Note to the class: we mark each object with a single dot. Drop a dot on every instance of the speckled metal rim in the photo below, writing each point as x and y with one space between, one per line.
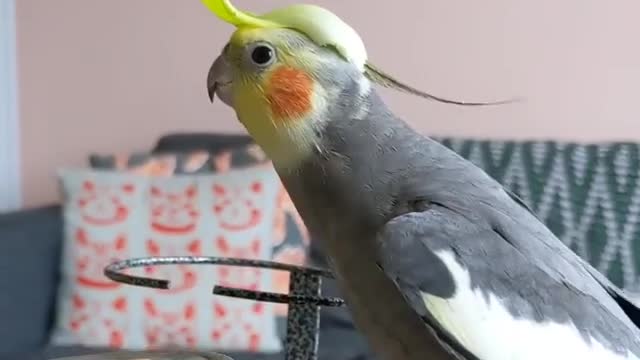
114 272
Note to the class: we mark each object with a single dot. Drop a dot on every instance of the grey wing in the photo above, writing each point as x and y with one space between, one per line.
405 257
408 248
618 295
628 306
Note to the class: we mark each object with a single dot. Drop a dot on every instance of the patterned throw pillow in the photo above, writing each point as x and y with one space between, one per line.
112 215
290 236
587 194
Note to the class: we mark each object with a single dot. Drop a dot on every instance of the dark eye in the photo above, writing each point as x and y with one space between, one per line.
262 55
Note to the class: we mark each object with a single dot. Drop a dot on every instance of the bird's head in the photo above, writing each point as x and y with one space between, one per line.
279 72
283 70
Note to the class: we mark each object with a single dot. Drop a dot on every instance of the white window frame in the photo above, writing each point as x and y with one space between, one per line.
10 179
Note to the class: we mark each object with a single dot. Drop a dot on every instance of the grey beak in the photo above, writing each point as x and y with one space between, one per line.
219 76
212 84
211 89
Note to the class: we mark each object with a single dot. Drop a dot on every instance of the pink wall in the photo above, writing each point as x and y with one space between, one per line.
113 75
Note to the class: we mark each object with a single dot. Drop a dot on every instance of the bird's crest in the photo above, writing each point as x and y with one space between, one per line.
326 30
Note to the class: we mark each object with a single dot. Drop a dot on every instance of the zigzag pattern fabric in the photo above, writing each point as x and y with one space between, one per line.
587 194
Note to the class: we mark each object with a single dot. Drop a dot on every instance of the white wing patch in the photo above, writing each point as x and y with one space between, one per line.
489 331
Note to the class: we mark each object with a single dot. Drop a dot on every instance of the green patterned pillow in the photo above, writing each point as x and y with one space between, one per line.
587 194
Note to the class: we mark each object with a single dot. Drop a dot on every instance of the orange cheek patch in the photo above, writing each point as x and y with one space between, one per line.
289 93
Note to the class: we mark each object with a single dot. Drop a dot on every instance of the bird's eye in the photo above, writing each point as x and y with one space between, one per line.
262 55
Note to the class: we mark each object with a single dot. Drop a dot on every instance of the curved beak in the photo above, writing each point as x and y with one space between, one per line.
219 79
212 84
211 89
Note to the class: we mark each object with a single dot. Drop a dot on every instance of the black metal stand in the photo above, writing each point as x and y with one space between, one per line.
304 297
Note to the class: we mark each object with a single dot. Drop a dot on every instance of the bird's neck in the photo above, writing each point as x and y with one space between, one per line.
287 143
289 147
290 144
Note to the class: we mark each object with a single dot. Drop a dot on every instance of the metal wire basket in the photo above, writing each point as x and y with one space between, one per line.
304 298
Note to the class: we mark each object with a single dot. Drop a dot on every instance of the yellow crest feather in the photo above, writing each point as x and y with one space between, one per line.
321 25
325 29
230 14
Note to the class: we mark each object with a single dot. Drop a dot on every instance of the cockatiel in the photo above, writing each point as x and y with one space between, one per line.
435 259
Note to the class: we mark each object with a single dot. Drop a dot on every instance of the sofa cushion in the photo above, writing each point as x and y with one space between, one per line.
587 194
55 352
116 215
339 340
29 250
190 154
212 143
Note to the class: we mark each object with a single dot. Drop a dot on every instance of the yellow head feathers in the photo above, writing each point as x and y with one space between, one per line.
322 26
326 30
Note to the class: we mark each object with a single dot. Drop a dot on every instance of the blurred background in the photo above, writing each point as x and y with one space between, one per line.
110 149
105 75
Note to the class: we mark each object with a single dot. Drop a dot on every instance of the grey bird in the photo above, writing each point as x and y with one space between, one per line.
435 259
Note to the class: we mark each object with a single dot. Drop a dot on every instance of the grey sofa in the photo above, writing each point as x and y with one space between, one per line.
30 242
30 246
585 193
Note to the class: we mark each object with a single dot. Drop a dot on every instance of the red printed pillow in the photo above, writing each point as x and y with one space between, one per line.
111 216
290 236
